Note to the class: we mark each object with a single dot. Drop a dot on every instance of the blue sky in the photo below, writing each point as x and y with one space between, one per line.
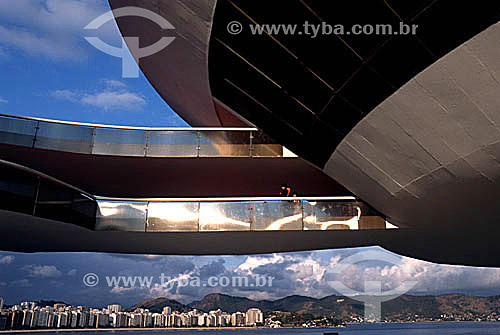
49 70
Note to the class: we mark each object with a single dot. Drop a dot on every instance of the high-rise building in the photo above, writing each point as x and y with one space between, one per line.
135 320
74 319
16 320
28 305
62 320
238 319
225 320
83 322
114 308
28 315
59 306
102 320
254 316
92 319
147 320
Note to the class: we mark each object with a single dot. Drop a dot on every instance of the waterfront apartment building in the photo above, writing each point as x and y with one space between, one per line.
254 317
30 316
115 308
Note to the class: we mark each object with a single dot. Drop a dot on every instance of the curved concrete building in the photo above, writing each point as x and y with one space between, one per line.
406 122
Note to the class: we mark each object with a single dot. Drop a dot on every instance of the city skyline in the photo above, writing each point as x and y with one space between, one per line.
60 276
292 312
30 315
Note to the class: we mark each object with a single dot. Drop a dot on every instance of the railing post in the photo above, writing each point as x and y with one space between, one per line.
198 146
199 208
36 134
251 144
302 206
252 215
146 144
92 141
146 224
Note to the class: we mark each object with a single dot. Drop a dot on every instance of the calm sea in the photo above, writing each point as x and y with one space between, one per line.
443 328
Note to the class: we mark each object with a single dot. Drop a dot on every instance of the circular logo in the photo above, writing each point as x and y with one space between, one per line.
90 279
370 255
373 296
130 69
234 28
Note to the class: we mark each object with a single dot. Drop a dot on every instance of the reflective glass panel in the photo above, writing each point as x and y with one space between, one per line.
17 131
119 142
224 144
64 137
225 216
172 216
332 216
172 144
370 218
277 215
121 216
264 146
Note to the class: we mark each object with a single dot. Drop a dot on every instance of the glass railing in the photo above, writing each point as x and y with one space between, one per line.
237 214
137 141
26 191
29 192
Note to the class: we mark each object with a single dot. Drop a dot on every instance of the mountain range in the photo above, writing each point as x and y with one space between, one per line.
424 306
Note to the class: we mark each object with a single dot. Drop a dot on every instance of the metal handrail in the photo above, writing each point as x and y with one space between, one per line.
227 199
86 138
96 125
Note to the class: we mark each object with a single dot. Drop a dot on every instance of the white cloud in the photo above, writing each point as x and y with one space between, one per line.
111 98
47 271
36 45
253 262
114 83
430 278
72 272
308 274
122 290
6 259
53 28
66 95
308 269
114 100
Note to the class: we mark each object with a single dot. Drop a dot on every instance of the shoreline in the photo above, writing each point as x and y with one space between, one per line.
85 330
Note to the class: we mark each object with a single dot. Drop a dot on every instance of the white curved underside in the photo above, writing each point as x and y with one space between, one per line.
429 156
